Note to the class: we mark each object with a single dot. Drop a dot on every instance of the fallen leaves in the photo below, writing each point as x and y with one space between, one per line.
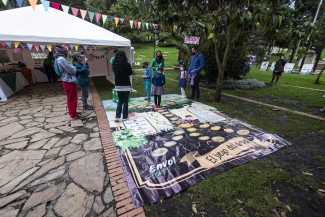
289 208
307 174
194 207
321 192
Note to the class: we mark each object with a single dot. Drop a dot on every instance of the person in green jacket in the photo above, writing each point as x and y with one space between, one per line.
157 62
112 59
48 66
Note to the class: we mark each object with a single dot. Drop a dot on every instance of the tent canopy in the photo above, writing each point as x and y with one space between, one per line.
52 27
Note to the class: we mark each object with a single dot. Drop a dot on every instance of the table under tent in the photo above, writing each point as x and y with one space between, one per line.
27 35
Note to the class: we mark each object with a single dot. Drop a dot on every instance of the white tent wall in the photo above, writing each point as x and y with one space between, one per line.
98 66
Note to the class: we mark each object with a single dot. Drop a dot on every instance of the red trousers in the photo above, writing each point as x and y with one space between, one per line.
72 98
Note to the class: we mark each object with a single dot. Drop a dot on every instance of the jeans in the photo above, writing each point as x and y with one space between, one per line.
84 94
72 98
123 99
147 87
196 88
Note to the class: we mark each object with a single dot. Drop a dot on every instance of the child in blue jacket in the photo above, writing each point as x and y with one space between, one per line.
146 79
158 81
82 77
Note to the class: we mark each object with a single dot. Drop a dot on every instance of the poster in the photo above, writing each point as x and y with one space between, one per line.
306 69
191 40
271 69
264 66
288 67
166 150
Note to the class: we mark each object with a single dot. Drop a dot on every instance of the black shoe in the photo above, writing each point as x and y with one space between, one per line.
78 117
88 107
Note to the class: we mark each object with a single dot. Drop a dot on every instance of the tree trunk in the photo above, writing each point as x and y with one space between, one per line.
319 54
222 66
320 74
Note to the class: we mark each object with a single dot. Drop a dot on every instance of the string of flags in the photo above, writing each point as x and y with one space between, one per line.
133 23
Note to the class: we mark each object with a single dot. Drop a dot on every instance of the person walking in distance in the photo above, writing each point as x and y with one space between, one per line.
278 69
69 80
158 81
123 71
196 65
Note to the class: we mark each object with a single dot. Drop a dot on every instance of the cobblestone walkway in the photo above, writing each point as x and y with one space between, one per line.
49 164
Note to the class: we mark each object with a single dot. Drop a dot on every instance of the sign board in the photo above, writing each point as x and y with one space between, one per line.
288 67
272 67
191 40
264 66
306 69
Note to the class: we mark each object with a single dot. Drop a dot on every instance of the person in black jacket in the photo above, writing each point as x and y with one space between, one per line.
278 69
122 70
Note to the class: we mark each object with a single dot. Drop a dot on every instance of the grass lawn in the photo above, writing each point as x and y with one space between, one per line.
323 54
276 185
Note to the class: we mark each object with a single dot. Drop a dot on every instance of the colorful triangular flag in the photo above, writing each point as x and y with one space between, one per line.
147 25
66 46
104 17
97 17
76 46
49 47
56 5
65 8
3 44
74 11
16 43
33 3
150 25
111 18
143 23
83 13
22 45
90 47
8 43
30 46
135 23
131 23
36 46
5 2
116 20
85 47
19 2
122 19
46 4
126 21
91 16
139 24
42 47
94 47
71 46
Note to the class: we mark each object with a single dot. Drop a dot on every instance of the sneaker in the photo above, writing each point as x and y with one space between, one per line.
78 117
145 99
156 106
125 119
321 110
116 119
88 107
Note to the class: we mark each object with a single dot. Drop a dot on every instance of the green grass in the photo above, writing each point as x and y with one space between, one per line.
145 52
323 54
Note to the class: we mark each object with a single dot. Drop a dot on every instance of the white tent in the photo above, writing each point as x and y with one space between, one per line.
54 26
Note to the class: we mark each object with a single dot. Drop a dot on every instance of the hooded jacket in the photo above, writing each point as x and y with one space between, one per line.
68 71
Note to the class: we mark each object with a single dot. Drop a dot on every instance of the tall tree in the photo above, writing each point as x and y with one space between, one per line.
222 21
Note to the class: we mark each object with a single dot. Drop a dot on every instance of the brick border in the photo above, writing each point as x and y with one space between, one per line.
123 200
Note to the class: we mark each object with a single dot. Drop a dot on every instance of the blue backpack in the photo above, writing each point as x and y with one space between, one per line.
56 67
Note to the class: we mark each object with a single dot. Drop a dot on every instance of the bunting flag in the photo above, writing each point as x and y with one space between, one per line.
56 5
65 8
36 46
19 2
143 25
42 47
111 18
121 19
91 16
147 25
116 20
85 47
131 23
5 2
22 45
139 24
150 25
8 43
49 47
97 17
135 23
76 46
94 47
16 43
46 4
90 47
66 46
126 21
83 13
30 46
33 3
104 17
71 46
3 44
74 11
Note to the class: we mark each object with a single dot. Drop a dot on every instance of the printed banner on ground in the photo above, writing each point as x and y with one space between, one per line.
264 66
288 67
168 149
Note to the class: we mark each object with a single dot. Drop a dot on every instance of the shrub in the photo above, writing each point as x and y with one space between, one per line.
242 84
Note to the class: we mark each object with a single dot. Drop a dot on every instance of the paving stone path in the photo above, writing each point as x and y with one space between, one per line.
51 165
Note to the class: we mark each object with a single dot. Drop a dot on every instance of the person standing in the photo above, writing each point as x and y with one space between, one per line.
157 62
182 80
123 71
48 66
147 79
158 81
82 77
278 69
196 65
69 80
112 59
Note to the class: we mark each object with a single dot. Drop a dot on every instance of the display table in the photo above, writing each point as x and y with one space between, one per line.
40 75
27 73
10 84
